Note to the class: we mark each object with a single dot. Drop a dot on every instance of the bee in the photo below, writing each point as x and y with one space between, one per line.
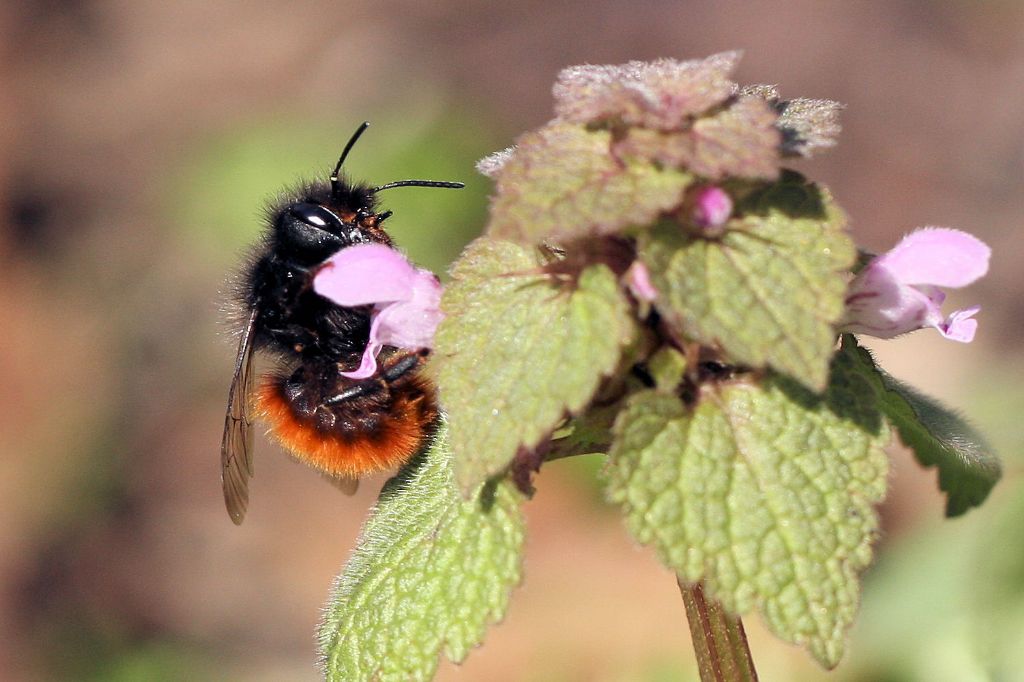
340 426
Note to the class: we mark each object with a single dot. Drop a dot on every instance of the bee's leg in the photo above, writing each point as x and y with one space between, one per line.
357 391
402 367
396 371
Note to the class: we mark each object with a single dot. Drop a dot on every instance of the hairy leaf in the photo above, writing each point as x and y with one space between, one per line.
740 141
807 125
562 183
764 493
492 164
769 291
968 468
520 349
431 571
661 94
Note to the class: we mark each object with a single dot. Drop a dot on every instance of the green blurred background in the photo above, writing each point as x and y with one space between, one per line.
139 142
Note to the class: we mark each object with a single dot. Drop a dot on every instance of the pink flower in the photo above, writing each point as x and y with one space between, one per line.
638 279
898 292
712 207
406 300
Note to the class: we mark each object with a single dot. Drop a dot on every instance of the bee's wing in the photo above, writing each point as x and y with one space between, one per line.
236 447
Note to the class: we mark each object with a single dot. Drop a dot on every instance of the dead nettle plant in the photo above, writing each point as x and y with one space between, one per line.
654 285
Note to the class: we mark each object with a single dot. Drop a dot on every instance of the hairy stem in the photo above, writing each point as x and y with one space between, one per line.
718 638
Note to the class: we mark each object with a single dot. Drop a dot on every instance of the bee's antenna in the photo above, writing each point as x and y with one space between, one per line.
348 147
381 217
419 183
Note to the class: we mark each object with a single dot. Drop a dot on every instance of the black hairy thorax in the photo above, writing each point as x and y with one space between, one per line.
293 321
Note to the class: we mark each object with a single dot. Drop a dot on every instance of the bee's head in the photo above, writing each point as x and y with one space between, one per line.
329 217
309 232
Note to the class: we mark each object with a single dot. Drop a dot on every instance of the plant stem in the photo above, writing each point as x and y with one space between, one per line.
718 638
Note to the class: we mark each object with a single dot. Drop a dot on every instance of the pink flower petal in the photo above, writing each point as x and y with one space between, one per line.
881 306
712 207
960 326
365 273
938 256
638 279
899 292
934 294
404 325
406 300
368 365
411 324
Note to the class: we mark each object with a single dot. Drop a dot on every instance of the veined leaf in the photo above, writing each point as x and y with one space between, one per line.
520 349
562 183
769 291
740 141
968 468
663 94
431 571
764 493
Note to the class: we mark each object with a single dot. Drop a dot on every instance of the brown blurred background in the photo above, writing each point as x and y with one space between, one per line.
138 142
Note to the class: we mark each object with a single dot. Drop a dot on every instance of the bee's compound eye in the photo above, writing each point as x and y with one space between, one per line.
308 232
315 215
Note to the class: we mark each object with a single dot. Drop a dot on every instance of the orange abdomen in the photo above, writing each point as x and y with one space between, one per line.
358 437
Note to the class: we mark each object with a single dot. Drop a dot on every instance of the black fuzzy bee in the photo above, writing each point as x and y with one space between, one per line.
340 426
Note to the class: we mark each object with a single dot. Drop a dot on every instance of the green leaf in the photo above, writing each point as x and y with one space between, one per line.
519 349
431 571
588 434
764 493
739 141
968 468
667 367
562 183
769 291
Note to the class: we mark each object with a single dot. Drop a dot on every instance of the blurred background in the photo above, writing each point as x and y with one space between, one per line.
138 144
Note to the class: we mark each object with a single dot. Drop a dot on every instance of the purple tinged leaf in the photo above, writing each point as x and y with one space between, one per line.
807 125
740 141
764 91
562 183
663 94
492 164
